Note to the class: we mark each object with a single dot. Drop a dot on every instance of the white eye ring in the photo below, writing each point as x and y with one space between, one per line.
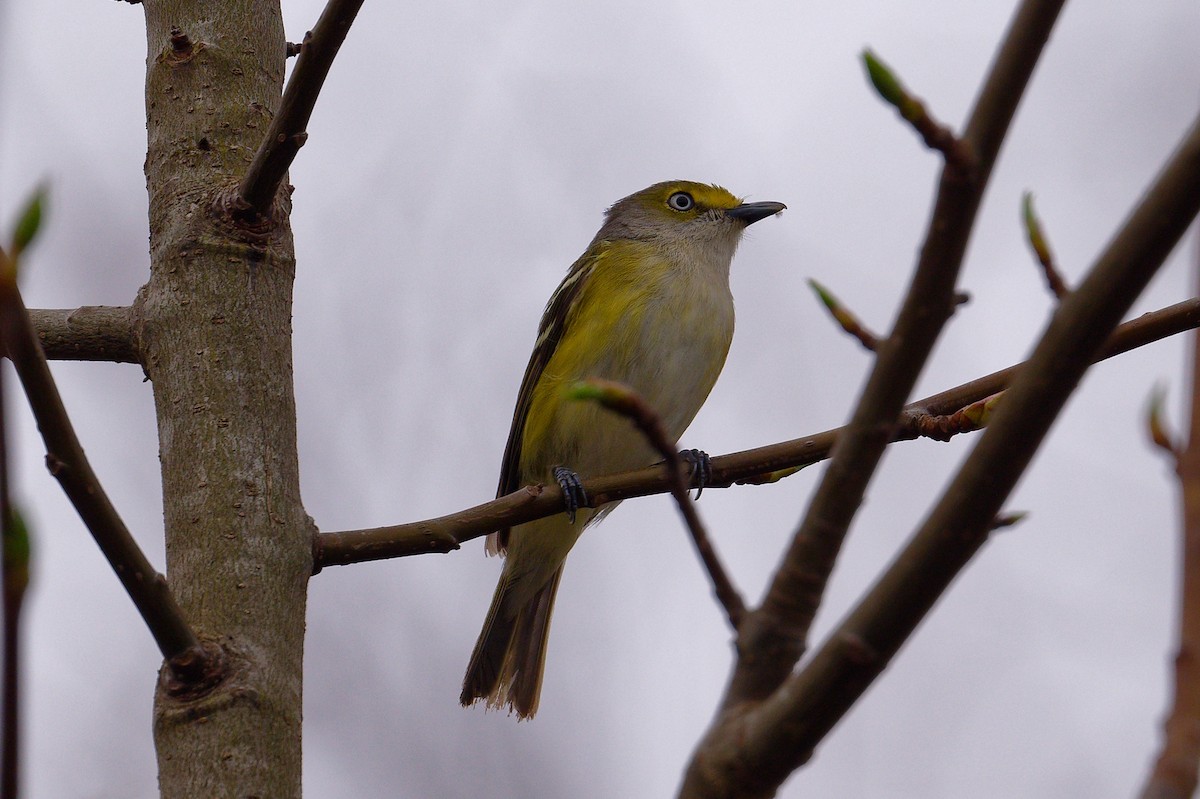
681 201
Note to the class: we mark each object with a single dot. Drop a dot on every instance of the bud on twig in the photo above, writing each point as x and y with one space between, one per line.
1041 247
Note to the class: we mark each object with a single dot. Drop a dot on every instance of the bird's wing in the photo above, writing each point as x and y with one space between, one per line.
554 323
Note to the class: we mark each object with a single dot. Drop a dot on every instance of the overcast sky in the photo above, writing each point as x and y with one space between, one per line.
459 160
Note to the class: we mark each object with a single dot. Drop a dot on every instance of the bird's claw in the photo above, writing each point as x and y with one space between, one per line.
574 497
700 467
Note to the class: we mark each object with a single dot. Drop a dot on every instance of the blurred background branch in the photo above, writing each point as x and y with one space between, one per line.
1174 775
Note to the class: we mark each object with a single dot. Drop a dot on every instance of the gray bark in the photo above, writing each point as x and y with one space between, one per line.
213 326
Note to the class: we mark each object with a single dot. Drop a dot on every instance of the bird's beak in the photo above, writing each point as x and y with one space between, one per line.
749 213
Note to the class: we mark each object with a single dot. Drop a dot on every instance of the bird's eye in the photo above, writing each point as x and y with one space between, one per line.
681 201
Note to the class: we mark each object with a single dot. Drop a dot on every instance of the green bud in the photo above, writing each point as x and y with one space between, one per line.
609 393
980 412
1009 519
823 294
1156 419
585 390
884 80
16 553
1033 228
894 93
28 224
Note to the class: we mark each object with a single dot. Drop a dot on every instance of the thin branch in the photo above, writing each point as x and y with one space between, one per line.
1174 775
89 333
783 731
622 399
287 132
448 533
774 636
66 461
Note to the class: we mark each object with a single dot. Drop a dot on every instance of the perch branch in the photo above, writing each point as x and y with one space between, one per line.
448 533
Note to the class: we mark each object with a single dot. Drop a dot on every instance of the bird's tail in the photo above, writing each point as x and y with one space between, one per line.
510 655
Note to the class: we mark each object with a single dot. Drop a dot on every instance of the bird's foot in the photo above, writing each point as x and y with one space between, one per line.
574 497
700 467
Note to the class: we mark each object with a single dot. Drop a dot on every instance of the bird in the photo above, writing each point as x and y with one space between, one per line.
648 305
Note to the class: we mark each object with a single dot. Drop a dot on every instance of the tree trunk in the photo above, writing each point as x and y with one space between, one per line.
214 331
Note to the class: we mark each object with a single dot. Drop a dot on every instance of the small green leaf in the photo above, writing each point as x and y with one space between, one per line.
29 223
16 553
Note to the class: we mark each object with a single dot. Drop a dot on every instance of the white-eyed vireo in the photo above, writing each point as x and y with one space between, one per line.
647 304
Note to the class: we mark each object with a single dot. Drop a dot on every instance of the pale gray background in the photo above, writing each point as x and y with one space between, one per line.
459 160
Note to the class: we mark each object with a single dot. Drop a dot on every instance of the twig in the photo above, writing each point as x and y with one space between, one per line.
935 135
1175 769
287 132
1041 247
622 399
66 461
447 533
